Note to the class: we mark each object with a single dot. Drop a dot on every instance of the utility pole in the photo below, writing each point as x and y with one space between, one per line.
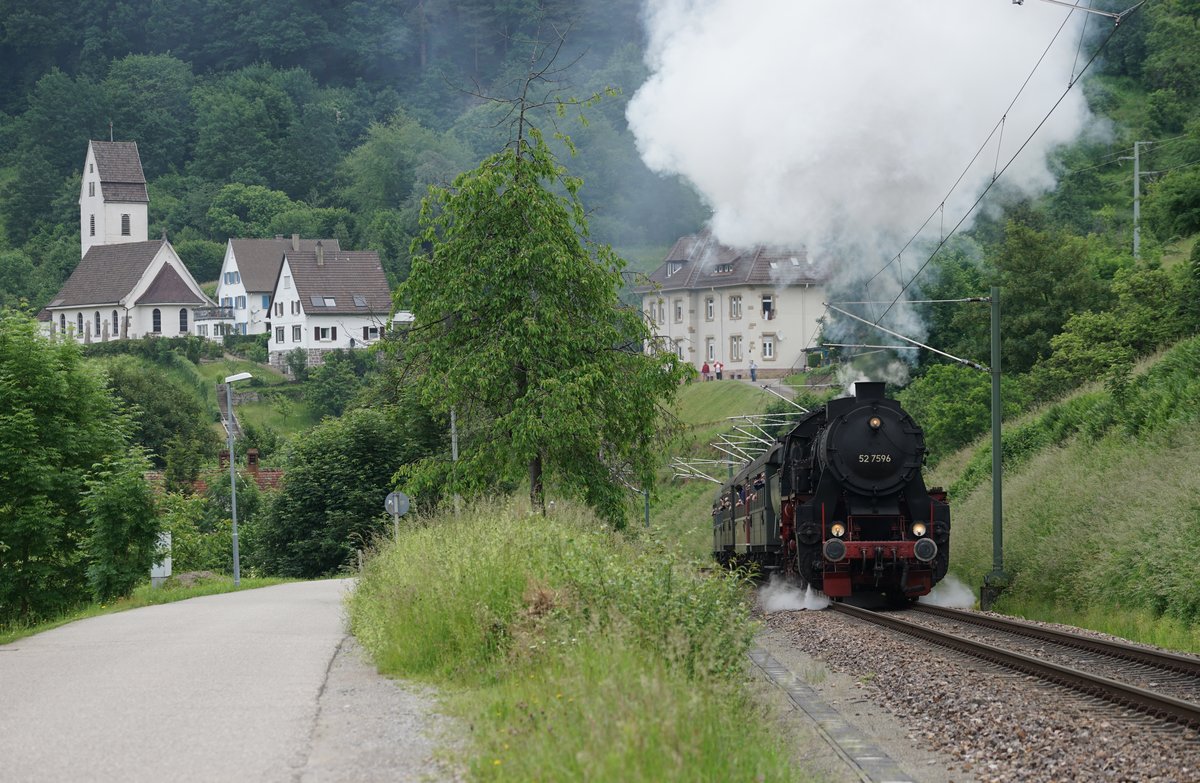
995 582
1137 197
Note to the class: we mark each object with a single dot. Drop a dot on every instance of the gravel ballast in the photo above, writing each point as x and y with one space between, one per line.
983 722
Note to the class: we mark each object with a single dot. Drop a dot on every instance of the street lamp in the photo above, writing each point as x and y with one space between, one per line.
229 381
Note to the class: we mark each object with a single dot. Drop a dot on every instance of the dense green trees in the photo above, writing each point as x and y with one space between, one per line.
72 519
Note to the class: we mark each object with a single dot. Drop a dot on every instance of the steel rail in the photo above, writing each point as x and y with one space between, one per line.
1163 707
1167 661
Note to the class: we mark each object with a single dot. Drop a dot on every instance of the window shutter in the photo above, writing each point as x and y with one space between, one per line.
316 333
333 333
365 333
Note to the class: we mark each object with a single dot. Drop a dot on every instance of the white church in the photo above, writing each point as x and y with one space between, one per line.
126 286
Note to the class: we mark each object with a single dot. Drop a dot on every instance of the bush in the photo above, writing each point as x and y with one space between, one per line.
122 543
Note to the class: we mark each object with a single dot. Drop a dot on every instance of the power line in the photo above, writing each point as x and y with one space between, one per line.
1017 154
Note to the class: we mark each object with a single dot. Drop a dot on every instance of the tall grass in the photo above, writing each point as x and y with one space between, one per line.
1102 521
580 654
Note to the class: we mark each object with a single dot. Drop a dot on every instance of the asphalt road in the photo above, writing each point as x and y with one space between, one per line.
226 687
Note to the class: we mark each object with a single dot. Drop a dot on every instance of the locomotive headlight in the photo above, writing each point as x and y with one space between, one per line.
919 529
875 422
837 529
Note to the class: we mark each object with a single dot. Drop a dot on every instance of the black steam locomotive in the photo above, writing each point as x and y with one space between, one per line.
840 501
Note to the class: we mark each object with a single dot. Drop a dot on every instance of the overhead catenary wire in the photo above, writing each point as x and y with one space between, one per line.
970 211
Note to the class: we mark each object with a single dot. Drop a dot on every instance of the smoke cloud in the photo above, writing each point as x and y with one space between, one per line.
841 125
781 596
951 593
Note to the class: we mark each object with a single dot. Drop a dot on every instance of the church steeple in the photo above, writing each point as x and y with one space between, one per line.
113 203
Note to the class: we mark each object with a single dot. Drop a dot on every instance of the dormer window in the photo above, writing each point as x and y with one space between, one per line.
724 269
674 267
125 231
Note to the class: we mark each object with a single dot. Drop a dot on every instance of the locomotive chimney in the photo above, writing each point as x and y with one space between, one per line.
869 390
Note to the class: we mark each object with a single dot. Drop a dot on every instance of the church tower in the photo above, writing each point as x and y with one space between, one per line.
113 203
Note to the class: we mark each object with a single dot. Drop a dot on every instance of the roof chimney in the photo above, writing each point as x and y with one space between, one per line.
320 254
295 243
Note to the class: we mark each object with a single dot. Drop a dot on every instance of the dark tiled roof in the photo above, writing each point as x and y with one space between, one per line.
699 261
259 259
106 273
169 288
120 170
354 279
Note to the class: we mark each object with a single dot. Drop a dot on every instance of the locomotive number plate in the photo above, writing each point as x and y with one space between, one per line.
874 457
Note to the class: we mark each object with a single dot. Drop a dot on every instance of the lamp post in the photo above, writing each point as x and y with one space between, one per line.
229 381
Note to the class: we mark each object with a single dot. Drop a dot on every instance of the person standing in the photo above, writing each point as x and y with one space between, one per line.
704 371
753 372
718 367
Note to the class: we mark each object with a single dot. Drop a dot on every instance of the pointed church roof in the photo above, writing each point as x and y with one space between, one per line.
107 273
120 170
169 288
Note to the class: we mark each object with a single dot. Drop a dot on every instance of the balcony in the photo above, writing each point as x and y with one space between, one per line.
213 314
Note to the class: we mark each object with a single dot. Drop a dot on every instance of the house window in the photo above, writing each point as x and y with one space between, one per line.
279 308
710 351
295 307
125 226
241 328
370 333
241 303
91 188
296 333
91 168
735 348
278 334
724 269
678 311
157 321
709 309
287 281
97 319
182 320
679 349
735 307
237 276
227 302
324 333
116 327
768 346
202 330
266 302
93 227
768 307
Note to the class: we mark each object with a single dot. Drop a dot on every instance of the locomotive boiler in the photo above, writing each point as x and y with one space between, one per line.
839 500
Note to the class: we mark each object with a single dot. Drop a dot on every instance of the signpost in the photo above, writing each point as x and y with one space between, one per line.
396 504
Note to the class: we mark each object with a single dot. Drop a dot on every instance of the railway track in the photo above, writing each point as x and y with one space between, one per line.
1106 670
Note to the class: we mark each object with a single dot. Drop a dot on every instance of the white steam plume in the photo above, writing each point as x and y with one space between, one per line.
841 125
950 592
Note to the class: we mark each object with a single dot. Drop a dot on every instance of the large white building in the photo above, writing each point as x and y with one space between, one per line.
712 303
248 276
125 286
325 300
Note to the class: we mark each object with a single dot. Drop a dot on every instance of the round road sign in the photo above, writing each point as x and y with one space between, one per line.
396 503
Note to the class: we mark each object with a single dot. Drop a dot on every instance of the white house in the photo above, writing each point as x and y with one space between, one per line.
248 276
125 286
712 303
327 299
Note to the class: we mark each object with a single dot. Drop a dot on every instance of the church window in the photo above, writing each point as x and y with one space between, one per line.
125 226
97 323
91 188
116 327
79 323
157 328
62 322
183 320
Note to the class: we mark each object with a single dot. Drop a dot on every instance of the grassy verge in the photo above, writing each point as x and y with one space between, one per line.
573 652
1101 518
142 596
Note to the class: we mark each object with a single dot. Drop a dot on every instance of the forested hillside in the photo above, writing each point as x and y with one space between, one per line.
323 118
